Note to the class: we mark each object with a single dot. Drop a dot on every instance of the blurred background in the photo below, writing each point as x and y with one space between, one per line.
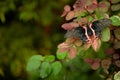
28 27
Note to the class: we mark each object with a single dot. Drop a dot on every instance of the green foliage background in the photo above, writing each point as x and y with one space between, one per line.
27 27
33 27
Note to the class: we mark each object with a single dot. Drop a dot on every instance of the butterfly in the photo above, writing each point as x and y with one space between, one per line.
93 29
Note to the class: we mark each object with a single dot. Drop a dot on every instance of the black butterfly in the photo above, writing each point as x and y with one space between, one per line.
95 28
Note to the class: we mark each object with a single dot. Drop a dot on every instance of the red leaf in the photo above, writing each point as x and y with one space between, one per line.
87 45
102 5
109 51
89 61
72 53
67 8
67 26
116 56
95 2
95 65
74 24
117 63
96 44
79 4
64 14
91 7
105 63
70 15
62 50
63 45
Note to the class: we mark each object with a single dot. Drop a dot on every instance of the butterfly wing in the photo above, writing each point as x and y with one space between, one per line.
98 25
76 32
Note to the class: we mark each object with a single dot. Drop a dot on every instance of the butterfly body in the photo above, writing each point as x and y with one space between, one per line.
85 32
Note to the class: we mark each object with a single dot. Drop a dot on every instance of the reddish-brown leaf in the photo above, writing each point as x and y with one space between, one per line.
62 50
89 61
96 44
116 56
117 33
64 14
106 63
109 51
74 24
72 53
95 65
87 45
67 8
70 15
67 26
79 4
104 6
117 63
91 8
63 45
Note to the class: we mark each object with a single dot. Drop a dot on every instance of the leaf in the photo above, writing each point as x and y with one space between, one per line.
104 6
28 15
70 15
105 34
91 8
45 69
99 14
89 18
63 45
67 26
2 17
49 58
115 20
117 45
115 7
117 76
37 57
56 67
33 65
16 67
96 44
95 65
67 8
115 1
72 52
61 55
117 33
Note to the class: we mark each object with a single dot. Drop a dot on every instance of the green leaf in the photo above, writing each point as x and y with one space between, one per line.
117 76
16 67
56 67
115 20
49 58
33 65
105 34
28 15
89 18
61 55
83 14
2 17
99 14
45 69
115 1
115 7
37 57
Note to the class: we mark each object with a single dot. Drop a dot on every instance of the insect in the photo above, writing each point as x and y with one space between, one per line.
84 32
